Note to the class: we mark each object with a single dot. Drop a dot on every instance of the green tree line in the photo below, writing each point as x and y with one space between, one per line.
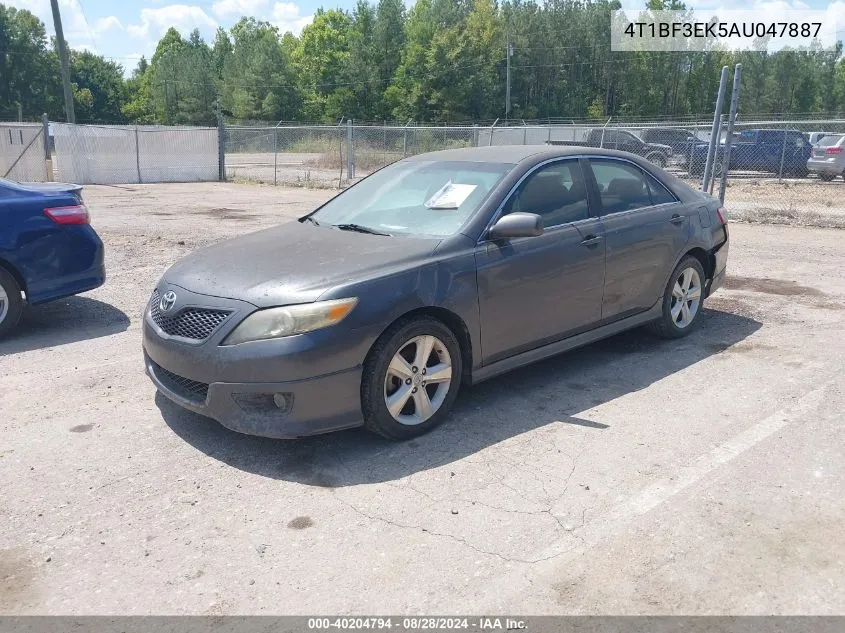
440 60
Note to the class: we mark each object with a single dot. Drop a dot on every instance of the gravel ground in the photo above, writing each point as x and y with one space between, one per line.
632 476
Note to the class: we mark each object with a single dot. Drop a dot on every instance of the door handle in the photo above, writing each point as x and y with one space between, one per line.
676 219
591 240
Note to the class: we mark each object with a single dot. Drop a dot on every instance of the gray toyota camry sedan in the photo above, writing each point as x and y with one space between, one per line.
439 270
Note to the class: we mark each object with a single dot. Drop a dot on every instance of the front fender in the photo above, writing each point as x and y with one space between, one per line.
447 283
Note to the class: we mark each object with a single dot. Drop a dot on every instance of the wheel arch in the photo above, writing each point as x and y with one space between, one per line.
451 320
6 265
705 258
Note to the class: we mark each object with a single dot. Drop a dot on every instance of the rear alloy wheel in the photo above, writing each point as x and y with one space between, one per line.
411 378
11 304
682 300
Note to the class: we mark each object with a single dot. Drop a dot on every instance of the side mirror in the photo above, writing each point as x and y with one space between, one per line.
516 225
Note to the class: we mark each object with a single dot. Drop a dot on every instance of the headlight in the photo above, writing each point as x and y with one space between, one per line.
290 320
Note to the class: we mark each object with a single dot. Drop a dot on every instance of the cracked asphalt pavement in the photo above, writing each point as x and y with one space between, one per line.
632 476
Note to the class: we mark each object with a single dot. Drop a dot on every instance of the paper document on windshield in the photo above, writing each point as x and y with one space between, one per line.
450 196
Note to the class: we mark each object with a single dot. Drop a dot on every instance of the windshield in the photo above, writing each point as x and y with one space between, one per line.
425 198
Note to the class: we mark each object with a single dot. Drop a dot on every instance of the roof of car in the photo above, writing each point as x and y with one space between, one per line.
512 153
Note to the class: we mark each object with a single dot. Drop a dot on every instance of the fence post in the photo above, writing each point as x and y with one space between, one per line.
137 156
603 128
782 155
714 132
48 157
221 144
692 145
492 127
726 159
405 139
275 154
350 151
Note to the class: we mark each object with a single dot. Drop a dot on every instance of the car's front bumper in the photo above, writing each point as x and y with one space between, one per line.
283 388
275 409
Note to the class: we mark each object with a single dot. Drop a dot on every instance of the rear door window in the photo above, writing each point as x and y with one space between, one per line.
622 186
659 193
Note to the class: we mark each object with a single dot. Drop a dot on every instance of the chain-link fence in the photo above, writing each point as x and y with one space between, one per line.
118 154
291 155
22 155
792 170
330 155
789 169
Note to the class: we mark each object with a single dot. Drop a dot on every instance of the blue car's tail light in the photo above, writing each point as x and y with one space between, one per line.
75 214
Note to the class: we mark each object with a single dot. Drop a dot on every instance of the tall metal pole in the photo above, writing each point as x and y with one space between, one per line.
221 143
48 153
350 150
714 132
63 61
726 161
508 53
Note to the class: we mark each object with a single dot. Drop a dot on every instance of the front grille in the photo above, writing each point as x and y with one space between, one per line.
192 323
181 386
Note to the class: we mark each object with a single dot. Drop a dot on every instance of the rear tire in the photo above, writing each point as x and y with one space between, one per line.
415 369
682 300
11 304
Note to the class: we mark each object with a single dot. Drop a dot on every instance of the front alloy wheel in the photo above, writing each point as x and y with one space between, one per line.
411 378
417 380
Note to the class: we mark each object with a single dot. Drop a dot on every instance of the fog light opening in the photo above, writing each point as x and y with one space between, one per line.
284 401
264 403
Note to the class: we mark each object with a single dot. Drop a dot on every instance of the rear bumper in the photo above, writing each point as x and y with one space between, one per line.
720 270
83 255
303 407
825 166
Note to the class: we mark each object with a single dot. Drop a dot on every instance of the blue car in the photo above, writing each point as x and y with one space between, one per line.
48 249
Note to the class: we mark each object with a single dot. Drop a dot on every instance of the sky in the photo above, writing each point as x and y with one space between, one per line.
124 30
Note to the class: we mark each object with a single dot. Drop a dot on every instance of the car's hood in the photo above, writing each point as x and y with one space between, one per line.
292 263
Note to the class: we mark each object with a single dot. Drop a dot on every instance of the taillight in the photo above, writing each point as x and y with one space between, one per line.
721 213
833 150
76 214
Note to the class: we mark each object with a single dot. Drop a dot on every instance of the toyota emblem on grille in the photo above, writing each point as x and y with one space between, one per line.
167 301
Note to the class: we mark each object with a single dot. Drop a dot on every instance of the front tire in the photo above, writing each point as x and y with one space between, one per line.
11 304
682 300
411 378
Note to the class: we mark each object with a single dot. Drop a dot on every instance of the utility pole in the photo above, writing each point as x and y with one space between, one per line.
508 54
63 61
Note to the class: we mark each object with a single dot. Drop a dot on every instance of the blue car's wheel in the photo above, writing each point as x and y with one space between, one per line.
11 304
